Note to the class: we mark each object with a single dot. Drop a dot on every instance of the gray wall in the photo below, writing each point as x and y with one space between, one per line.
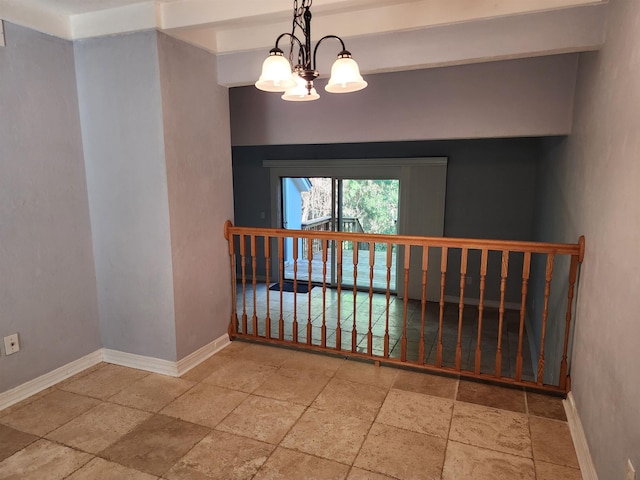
198 161
121 113
491 194
590 186
47 285
515 98
490 190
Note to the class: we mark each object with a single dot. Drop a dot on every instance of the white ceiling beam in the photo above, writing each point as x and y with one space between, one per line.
124 19
37 16
190 13
551 32
376 19
230 25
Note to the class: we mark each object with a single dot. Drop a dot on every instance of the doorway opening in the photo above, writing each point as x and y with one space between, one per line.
345 205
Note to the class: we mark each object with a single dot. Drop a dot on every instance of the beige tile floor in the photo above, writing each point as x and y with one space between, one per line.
260 412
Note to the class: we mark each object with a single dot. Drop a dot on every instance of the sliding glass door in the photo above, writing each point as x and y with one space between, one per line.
340 204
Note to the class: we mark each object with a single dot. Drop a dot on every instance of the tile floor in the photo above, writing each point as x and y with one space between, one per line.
310 306
260 412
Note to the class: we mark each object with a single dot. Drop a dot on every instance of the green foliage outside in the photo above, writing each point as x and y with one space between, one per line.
374 203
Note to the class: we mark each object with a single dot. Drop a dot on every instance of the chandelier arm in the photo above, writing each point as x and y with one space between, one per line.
294 38
315 50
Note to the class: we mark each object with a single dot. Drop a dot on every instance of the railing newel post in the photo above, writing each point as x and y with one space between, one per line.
267 256
545 314
243 265
309 328
503 287
407 265
483 283
387 298
573 274
526 270
463 277
423 301
354 331
294 332
372 261
443 277
254 284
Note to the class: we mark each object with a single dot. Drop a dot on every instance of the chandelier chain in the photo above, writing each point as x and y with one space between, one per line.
298 14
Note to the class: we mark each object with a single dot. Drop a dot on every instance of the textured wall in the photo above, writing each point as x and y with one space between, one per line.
47 284
516 98
121 113
590 186
198 158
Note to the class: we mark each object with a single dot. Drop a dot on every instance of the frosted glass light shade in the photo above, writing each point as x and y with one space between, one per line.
345 76
299 93
276 73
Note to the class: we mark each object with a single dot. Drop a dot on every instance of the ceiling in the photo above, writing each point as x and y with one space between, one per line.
238 31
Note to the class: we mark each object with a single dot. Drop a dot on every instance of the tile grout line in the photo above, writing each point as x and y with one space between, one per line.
306 408
526 404
453 406
372 423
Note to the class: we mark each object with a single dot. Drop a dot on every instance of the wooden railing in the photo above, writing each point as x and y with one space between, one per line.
324 224
481 335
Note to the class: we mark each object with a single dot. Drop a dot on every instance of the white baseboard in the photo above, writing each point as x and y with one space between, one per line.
140 362
19 393
131 360
200 355
587 468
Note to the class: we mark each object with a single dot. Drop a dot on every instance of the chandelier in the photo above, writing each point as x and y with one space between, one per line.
280 74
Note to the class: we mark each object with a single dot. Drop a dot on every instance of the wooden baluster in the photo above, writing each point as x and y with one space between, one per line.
339 288
281 267
388 296
425 266
310 255
372 261
526 269
463 278
243 268
295 290
234 280
573 275
545 313
503 284
407 259
254 318
325 247
483 283
267 258
443 277
354 333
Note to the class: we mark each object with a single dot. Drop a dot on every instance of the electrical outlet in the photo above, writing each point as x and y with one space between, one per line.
630 474
469 280
11 344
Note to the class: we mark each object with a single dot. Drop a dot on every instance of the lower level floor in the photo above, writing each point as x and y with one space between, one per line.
359 312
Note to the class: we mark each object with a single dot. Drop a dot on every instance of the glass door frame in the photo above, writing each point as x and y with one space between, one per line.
336 214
